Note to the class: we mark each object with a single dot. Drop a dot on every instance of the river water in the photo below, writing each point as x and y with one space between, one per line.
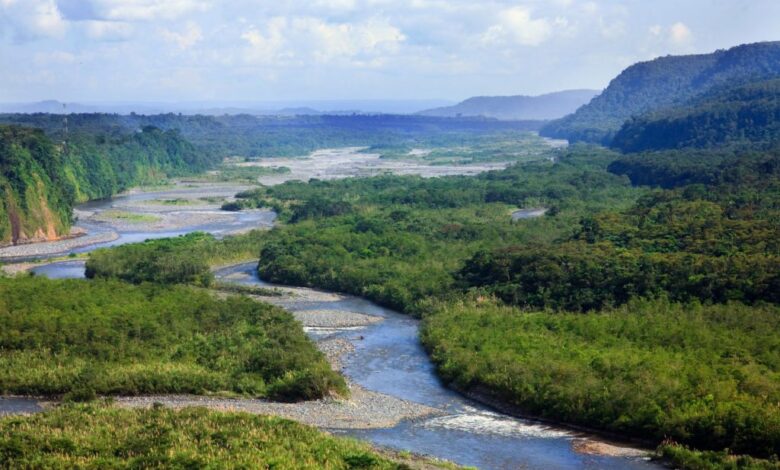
388 358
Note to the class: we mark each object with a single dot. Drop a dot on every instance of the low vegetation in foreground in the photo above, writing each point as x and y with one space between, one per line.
84 338
101 436
683 458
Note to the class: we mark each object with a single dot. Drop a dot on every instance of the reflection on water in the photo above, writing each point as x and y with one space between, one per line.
18 405
62 270
123 233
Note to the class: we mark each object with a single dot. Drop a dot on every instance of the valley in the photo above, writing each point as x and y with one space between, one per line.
598 290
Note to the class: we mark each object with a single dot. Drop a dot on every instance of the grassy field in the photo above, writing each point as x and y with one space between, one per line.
84 338
101 436
131 217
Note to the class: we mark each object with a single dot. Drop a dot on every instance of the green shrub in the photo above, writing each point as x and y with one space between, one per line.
81 338
101 436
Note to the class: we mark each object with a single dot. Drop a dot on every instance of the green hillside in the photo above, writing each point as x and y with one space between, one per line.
662 83
749 113
41 180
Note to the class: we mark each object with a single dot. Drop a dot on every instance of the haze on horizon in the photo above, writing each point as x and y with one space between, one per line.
249 51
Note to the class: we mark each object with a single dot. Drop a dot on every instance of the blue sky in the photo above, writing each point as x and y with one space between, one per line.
185 50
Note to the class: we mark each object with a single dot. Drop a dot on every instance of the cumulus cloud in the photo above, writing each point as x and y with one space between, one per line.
32 19
266 46
336 4
146 10
680 34
517 26
677 36
300 39
443 47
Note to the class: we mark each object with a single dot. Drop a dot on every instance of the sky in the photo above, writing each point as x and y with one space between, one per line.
251 50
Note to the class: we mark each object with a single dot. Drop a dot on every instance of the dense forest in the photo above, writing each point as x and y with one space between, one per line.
79 339
42 179
674 168
710 244
662 83
744 115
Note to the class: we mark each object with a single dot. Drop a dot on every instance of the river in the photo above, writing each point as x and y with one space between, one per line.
388 358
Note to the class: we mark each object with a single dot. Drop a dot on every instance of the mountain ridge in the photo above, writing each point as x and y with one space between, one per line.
664 82
517 107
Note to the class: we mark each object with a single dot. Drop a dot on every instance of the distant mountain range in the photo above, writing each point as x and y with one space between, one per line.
219 108
666 82
519 107
509 108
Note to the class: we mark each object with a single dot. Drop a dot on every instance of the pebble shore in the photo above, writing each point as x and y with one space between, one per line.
364 409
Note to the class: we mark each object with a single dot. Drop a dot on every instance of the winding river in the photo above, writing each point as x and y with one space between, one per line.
388 358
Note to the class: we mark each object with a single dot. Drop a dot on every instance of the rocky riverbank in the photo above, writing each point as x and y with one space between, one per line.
364 409
31 250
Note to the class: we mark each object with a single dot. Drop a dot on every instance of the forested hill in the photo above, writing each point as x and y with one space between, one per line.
746 114
663 83
543 107
41 179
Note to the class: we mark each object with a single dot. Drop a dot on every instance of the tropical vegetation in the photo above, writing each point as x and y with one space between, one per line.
79 339
101 436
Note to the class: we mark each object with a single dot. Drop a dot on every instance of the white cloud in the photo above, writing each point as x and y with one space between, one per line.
393 47
349 40
676 37
32 19
336 4
266 47
300 39
516 25
146 10
185 39
680 34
